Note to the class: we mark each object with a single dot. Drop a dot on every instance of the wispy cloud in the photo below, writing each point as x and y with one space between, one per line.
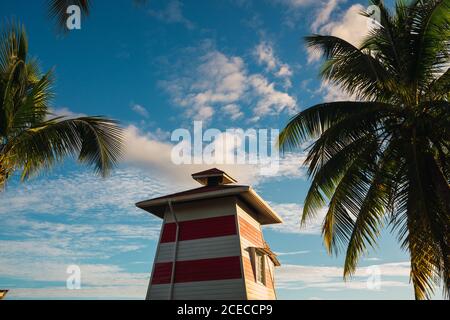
323 14
292 253
298 277
233 111
349 25
65 112
55 221
218 80
139 109
172 13
82 191
265 55
291 214
294 3
155 157
270 101
98 281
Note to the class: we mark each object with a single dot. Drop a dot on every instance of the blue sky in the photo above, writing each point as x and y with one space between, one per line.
229 63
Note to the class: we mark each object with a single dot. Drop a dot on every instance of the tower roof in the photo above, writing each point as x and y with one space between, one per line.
267 215
213 176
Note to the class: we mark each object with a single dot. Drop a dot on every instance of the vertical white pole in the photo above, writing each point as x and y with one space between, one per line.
175 250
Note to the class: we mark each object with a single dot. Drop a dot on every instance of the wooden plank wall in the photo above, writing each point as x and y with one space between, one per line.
251 236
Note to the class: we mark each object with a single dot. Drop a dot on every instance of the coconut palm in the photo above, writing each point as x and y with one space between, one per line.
383 158
31 138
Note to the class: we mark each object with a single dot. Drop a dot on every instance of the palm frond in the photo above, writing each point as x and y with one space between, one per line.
356 71
314 121
371 215
13 45
95 140
439 88
430 32
344 204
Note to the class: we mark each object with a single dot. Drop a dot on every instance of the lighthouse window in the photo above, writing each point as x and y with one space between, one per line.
260 268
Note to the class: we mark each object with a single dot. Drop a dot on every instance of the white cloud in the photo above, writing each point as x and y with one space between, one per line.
98 281
82 192
218 80
291 214
271 101
295 11
137 292
285 71
53 222
292 253
148 171
372 259
295 4
65 112
316 274
332 92
295 277
172 13
233 111
140 110
155 157
350 25
313 55
323 13
265 56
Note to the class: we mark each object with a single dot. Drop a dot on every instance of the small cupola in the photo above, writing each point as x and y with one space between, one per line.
213 177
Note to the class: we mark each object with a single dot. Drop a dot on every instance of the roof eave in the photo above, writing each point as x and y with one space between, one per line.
147 205
157 206
262 206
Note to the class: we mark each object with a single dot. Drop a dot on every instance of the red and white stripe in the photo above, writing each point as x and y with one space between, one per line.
212 259
208 260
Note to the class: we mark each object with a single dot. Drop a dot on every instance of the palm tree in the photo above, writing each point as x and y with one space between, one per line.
384 159
31 138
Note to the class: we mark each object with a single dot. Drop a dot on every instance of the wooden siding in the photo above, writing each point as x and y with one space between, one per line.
204 290
162 273
255 290
200 228
202 209
208 253
251 236
200 249
198 270
249 232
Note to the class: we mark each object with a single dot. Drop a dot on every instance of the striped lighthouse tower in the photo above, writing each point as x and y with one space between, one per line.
211 245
